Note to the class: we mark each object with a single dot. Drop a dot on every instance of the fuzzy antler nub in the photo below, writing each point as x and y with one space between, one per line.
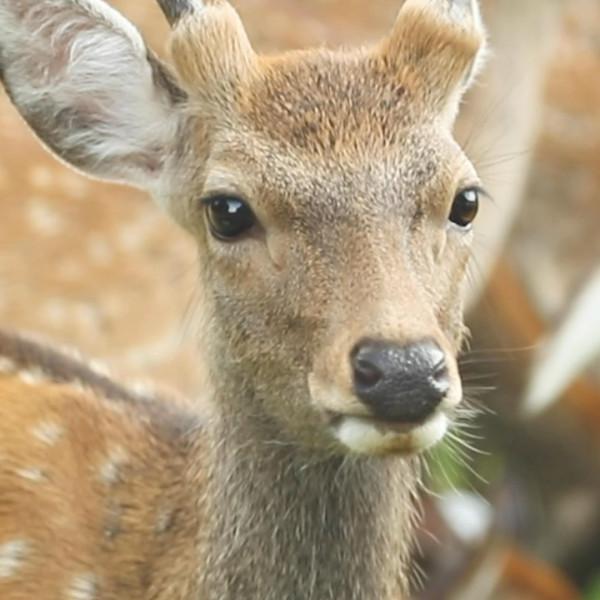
174 10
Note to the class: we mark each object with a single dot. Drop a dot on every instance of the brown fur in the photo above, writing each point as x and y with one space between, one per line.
88 498
133 533
347 160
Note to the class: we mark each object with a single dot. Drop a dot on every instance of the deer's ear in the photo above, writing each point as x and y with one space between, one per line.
442 42
82 77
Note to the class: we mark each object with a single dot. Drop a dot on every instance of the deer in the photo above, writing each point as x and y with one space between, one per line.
333 216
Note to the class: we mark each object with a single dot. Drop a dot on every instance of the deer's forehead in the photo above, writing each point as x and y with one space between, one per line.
284 184
260 166
324 101
330 125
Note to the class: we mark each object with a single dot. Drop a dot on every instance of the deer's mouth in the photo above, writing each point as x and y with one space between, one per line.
355 427
368 435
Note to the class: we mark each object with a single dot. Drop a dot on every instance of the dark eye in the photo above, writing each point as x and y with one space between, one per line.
228 217
465 207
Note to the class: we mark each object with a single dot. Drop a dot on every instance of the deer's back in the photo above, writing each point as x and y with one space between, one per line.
92 490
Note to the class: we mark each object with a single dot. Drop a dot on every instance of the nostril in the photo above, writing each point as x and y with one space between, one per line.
440 370
440 378
400 382
366 374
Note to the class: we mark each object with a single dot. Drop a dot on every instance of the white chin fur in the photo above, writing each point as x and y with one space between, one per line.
367 436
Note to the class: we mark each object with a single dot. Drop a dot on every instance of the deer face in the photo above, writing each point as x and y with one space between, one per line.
333 214
332 211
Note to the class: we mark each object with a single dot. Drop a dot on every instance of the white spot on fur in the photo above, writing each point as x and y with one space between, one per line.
110 470
48 432
7 365
32 376
44 219
133 235
99 368
83 587
55 312
144 389
89 317
12 555
31 474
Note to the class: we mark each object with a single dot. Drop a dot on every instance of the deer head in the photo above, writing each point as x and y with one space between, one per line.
331 206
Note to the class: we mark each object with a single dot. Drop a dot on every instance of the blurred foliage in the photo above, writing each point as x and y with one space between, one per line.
593 590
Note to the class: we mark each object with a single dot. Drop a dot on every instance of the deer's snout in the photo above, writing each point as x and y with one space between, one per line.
400 383
386 396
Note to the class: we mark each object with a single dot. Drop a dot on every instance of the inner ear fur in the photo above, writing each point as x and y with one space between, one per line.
441 43
211 52
82 77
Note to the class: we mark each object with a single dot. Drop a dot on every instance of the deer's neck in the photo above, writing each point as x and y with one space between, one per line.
287 523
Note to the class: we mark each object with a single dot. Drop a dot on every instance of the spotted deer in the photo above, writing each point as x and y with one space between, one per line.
332 212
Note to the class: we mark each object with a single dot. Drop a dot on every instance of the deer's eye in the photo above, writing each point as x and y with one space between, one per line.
229 217
465 207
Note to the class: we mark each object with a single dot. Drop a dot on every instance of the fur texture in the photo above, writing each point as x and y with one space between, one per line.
347 160
83 79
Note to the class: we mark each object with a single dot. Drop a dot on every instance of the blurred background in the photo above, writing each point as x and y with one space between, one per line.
513 503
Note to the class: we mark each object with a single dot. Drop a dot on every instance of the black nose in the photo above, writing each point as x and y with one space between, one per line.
400 383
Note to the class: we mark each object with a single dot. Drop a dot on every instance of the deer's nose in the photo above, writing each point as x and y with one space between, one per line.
400 383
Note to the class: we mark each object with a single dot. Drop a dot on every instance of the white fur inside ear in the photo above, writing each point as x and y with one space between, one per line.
79 73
